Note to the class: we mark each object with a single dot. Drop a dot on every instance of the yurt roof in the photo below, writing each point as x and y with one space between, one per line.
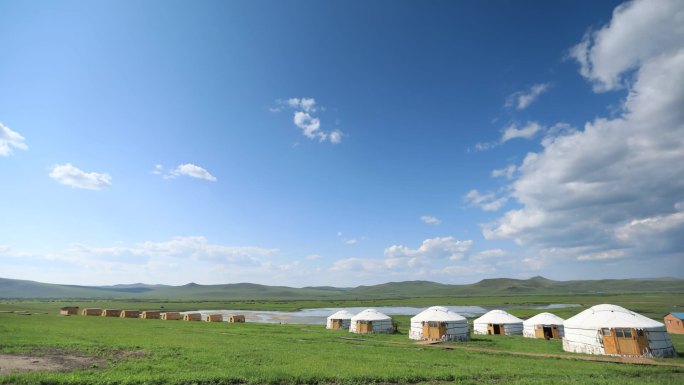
498 317
342 314
370 315
602 316
437 313
544 319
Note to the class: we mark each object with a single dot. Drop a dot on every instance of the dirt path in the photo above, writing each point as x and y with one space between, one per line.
10 363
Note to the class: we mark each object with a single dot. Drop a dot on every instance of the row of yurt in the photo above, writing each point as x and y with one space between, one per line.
614 330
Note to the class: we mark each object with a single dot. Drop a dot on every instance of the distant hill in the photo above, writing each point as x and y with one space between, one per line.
13 288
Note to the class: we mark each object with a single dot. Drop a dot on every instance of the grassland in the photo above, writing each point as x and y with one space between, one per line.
135 351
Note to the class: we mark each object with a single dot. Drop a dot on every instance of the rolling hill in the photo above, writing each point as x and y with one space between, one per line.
12 288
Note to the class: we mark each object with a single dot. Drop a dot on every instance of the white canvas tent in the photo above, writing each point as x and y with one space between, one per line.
371 321
439 323
498 322
339 320
543 325
614 330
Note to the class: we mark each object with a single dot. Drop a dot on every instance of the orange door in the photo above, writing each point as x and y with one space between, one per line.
554 332
336 324
539 331
609 343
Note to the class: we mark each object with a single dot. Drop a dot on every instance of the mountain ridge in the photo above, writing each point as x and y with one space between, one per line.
13 288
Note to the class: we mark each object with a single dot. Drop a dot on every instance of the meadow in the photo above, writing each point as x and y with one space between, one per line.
137 351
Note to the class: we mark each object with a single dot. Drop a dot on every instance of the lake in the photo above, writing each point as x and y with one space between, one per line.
318 316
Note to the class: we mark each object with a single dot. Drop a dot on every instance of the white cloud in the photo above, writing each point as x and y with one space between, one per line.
526 132
638 32
522 99
351 241
335 137
488 254
610 190
305 119
187 169
74 177
440 247
310 126
430 220
487 201
505 172
512 131
9 139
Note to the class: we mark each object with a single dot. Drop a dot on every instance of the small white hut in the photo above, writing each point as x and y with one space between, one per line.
438 323
614 330
498 322
339 320
543 325
371 321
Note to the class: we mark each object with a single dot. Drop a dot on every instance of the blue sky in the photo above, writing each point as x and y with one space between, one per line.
340 143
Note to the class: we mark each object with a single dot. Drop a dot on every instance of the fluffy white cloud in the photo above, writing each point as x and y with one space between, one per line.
305 119
638 32
74 177
310 126
187 169
351 241
9 139
526 132
440 247
487 201
523 99
603 191
430 220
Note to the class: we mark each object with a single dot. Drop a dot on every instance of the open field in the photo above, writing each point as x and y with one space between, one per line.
135 351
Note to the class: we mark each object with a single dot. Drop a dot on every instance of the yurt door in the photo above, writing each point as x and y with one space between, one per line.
337 324
434 330
609 343
364 326
554 331
539 331
631 341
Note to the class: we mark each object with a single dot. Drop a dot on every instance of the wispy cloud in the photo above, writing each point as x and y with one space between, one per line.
304 118
522 99
506 172
9 139
487 201
528 131
187 169
512 131
430 220
71 176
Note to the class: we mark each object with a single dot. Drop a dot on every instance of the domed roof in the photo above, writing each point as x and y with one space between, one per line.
370 315
437 313
342 314
606 315
498 317
544 319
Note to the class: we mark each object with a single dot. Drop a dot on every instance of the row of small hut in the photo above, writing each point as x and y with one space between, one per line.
152 314
601 329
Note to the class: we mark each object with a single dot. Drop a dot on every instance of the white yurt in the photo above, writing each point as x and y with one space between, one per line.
498 322
339 320
614 330
439 323
543 325
371 321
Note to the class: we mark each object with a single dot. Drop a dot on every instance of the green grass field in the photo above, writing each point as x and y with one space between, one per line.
136 351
